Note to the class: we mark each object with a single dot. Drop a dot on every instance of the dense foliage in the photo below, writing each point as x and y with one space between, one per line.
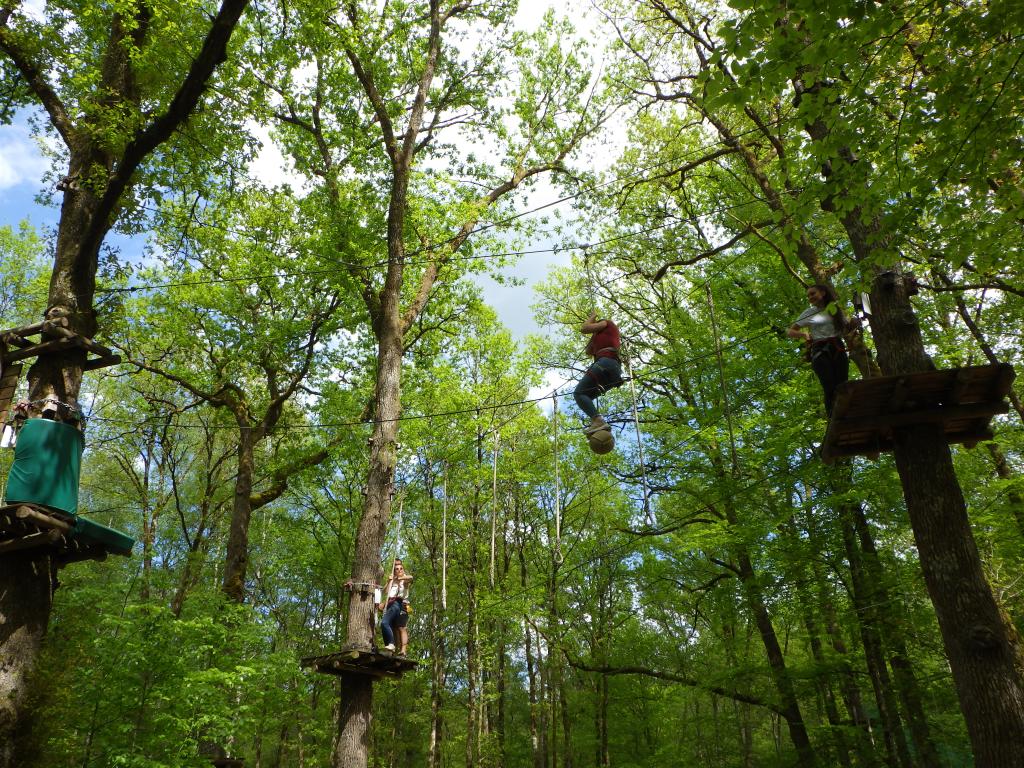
710 593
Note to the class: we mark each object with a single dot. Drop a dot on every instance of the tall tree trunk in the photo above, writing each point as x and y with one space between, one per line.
355 714
149 516
567 751
236 559
848 681
437 683
1003 471
474 719
790 707
87 213
500 692
25 600
874 656
535 695
983 647
899 659
825 691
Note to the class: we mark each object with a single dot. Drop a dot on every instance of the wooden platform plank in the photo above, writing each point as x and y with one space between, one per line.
26 526
54 336
962 400
361 661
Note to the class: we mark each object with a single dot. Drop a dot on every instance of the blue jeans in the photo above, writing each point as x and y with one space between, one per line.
392 620
603 374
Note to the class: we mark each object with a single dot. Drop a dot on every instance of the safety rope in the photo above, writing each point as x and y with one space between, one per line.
558 492
721 377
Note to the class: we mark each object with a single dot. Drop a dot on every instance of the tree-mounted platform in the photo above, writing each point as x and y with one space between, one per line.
228 762
53 336
66 538
361 661
867 413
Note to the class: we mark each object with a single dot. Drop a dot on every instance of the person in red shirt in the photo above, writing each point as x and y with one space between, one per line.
603 374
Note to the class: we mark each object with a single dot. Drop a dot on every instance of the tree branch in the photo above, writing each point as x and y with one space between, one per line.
691 682
212 53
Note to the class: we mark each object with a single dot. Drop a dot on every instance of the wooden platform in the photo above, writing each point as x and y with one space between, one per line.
53 336
361 661
32 527
868 412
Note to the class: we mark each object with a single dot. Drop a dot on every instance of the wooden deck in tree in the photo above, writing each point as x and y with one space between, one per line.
361 661
53 337
25 527
867 413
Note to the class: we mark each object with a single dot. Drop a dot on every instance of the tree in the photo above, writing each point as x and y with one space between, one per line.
398 75
112 105
247 331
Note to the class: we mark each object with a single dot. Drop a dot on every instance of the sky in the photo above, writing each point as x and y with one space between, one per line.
23 166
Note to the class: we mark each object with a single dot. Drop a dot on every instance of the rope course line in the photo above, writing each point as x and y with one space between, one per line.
455 412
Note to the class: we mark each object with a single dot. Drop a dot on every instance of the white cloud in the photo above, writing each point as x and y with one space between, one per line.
20 158
270 167
554 381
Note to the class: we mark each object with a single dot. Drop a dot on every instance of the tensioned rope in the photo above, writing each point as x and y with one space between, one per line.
454 412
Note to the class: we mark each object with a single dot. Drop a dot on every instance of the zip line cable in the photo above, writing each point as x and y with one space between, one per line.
454 412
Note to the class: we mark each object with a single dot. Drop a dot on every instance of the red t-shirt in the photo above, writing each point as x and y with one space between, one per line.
605 343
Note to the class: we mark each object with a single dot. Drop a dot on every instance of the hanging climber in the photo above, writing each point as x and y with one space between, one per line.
395 605
603 374
821 327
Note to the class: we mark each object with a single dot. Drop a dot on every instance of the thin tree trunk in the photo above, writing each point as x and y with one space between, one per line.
567 751
790 708
863 599
899 660
1004 472
474 720
236 559
826 692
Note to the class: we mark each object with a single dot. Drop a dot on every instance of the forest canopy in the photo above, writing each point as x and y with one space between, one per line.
315 379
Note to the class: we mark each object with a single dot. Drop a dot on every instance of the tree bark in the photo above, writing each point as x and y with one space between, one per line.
790 707
981 643
26 597
88 211
236 558
864 600
899 659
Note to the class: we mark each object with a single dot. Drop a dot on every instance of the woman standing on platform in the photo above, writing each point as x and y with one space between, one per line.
396 609
821 326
